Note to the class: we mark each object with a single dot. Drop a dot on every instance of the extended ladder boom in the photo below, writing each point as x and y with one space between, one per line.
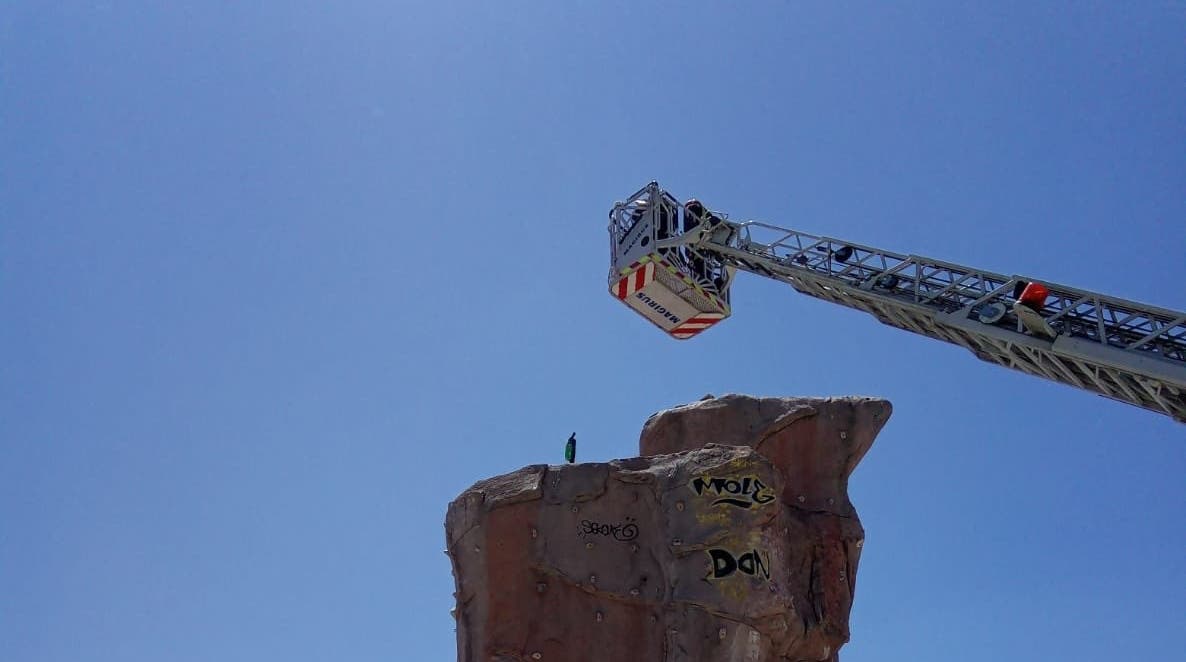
1128 351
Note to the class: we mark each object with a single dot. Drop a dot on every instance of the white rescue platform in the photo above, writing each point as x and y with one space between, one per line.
658 273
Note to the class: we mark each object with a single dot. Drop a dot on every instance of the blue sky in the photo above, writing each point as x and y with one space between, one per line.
281 279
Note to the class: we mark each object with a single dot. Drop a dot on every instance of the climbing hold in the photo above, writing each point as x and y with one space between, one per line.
721 634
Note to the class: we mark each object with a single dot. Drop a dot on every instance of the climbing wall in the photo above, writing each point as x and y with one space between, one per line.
706 552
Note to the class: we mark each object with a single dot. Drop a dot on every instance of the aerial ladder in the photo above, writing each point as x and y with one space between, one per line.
674 263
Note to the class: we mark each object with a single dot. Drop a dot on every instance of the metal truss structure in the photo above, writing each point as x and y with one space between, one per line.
1127 351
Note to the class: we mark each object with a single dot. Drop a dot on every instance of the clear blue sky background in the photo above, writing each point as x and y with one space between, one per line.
280 279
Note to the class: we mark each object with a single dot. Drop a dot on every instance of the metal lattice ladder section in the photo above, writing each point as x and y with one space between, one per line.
1120 349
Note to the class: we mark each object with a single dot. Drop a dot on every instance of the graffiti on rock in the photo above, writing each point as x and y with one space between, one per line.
743 492
622 532
725 563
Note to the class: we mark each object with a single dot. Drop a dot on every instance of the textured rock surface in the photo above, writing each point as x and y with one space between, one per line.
815 444
700 552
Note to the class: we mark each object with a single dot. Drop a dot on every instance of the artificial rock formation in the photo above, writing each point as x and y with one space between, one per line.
732 538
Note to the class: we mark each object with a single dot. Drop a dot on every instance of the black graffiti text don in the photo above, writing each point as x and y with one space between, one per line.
725 563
